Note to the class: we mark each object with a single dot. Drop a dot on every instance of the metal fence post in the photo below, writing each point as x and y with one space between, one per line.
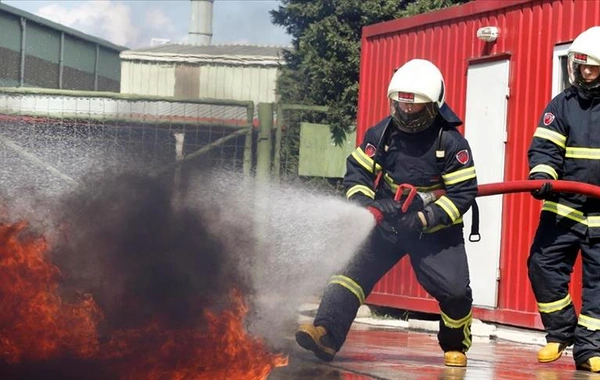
276 171
247 163
263 150
262 178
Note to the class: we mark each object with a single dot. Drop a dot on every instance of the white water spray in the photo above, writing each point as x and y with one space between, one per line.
289 240
302 238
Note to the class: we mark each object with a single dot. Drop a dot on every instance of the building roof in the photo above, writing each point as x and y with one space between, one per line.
53 25
225 54
246 50
441 15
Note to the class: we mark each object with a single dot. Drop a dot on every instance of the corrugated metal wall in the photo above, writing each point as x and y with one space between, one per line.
10 46
529 31
215 81
147 79
54 56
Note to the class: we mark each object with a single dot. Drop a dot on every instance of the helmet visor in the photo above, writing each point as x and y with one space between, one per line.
413 117
583 71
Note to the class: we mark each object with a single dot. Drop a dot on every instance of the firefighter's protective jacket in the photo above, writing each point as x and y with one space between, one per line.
566 146
436 158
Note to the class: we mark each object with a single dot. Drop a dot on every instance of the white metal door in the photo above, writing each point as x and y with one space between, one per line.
485 128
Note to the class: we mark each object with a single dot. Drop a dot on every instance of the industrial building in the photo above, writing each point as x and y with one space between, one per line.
199 69
35 52
233 72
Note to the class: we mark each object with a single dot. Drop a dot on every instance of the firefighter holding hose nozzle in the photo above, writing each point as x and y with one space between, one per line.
418 144
566 146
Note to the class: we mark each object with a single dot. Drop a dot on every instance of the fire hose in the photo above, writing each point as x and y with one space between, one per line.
406 194
558 186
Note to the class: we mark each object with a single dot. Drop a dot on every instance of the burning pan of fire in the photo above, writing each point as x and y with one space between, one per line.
63 316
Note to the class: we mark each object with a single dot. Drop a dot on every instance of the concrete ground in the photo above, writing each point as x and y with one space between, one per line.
391 349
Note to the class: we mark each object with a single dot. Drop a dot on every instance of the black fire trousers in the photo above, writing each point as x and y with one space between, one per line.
550 263
440 263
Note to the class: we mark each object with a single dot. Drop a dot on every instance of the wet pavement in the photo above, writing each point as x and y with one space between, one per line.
401 354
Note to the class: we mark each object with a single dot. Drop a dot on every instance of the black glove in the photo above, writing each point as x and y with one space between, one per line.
388 207
411 222
543 192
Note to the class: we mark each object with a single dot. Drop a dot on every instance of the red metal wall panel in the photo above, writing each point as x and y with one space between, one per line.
529 32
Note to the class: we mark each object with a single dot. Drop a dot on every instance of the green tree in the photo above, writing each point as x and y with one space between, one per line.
323 67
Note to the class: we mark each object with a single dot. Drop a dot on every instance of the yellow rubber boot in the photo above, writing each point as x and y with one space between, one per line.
591 365
551 352
455 359
315 339
454 373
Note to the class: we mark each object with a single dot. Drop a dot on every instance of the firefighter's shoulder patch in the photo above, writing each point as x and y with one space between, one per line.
462 156
548 118
370 150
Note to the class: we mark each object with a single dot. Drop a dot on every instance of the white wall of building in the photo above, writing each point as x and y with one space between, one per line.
211 80
148 79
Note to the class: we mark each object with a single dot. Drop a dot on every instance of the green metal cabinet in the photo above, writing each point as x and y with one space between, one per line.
319 156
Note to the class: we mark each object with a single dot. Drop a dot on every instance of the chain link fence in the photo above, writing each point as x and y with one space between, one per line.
55 135
52 137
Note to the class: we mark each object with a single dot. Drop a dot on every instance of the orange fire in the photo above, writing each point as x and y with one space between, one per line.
223 351
37 325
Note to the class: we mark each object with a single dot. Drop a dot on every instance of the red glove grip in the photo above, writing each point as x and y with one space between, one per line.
376 213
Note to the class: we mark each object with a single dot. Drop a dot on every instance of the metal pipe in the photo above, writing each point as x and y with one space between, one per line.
96 67
278 141
247 164
61 60
179 142
199 152
263 148
23 46
200 29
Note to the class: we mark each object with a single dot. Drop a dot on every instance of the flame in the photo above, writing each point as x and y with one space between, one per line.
222 351
37 325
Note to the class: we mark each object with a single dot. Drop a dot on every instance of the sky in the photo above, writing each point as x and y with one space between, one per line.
133 23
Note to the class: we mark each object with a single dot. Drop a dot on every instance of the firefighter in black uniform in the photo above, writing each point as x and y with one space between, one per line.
418 145
566 145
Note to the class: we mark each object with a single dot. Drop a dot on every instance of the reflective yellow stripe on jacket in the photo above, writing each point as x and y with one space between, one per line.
360 189
548 134
449 207
571 213
544 169
583 153
365 161
459 176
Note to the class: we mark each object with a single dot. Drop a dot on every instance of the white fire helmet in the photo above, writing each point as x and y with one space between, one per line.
417 81
585 50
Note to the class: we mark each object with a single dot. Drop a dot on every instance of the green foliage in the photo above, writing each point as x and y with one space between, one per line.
423 6
323 67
